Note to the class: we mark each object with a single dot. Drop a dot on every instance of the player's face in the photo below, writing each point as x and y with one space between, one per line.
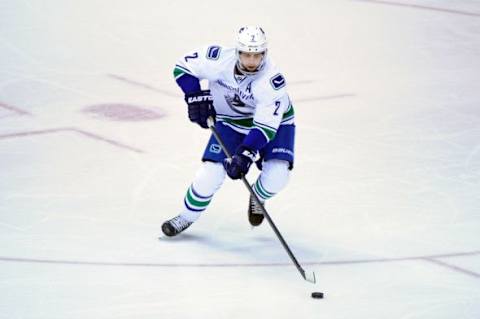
250 61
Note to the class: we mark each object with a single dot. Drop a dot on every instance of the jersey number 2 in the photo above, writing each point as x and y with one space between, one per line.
277 106
193 56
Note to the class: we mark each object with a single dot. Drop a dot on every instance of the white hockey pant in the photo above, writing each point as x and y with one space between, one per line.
209 178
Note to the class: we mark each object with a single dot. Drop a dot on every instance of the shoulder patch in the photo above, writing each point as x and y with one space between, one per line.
278 81
213 52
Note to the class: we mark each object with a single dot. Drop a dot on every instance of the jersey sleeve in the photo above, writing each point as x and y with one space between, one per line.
198 63
272 108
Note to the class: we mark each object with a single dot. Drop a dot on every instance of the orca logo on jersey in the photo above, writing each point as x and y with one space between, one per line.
238 106
278 81
236 102
201 98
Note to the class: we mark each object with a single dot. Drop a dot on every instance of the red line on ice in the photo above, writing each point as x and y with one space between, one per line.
143 85
107 140
431 258
453 267
76 130
14 109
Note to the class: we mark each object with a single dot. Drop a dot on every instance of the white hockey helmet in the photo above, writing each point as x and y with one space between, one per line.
251 39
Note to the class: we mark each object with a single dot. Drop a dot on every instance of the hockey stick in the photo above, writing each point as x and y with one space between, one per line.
308 277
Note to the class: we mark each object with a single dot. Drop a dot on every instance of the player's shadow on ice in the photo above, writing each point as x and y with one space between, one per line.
187 237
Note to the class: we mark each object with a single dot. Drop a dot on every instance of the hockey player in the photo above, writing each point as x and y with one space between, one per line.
254 117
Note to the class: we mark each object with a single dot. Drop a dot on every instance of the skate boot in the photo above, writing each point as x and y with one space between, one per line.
255 215
175 226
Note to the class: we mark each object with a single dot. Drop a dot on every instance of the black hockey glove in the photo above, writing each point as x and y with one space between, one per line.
200 107
240 162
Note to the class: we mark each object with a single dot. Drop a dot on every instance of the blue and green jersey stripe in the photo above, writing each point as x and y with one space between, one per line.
179 70
247 123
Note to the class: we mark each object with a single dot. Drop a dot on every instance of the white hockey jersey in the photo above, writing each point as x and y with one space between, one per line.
241 102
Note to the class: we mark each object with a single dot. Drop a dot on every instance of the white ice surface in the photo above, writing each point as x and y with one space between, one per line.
384 199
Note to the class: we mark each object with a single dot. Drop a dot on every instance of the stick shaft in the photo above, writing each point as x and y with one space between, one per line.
260 204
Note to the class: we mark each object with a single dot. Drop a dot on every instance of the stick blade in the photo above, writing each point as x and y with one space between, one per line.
310 277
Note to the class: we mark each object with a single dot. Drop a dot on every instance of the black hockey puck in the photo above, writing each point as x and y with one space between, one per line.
317 295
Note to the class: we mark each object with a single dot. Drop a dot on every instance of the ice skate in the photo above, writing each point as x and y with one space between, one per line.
255 214
175 226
